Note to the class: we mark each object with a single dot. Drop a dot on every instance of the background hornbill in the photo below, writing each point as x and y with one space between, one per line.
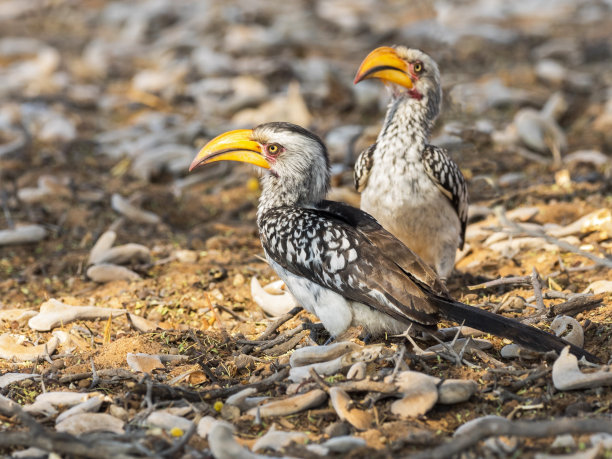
412 188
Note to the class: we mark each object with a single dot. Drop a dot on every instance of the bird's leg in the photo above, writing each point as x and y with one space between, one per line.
330 340
366 338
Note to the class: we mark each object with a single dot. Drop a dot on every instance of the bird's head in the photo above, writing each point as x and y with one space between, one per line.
296 158
409 71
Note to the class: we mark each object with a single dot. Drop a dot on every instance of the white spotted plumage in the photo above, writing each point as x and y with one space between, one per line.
414 189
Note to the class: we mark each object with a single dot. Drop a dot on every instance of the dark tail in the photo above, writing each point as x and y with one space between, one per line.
525 335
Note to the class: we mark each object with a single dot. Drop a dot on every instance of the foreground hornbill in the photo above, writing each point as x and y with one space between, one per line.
338 261
412 188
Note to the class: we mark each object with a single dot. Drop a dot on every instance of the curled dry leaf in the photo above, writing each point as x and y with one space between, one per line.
357 371
22 235
420 393
88 406
104 242
205 425
366 354
272 304
276 440
141 324
458 345
10 378
511 351
243 401
12 349
345 410
167 421
123 254
17 315
600 286
453 391
54 313
49 187
563 324
132 212
567 376
144 363
343 444
90 422
314 354
290 405
108 273
598 220
223 445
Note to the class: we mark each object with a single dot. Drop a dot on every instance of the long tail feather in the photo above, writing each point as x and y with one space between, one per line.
525 335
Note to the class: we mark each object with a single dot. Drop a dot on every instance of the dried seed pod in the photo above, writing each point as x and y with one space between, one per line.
272 304
290 405
345 410
108 273
567 376
453 391
90 422
22 235
12 349
54 313
575 333
314 354
132 212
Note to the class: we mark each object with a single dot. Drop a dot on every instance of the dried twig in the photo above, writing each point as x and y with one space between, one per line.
272 328
575 305
535 429
167 392
499 212
512 280
537 290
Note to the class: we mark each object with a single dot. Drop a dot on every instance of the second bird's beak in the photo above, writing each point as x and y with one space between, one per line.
232 146
385 64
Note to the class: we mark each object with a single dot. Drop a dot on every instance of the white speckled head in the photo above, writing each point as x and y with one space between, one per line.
299 164
423 70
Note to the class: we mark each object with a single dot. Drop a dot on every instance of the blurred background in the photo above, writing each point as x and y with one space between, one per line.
103 105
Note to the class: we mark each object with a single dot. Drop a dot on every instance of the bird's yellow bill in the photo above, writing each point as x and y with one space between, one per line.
385 64
231 146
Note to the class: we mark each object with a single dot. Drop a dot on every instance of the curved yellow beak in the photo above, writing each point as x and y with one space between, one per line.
231 146
385 64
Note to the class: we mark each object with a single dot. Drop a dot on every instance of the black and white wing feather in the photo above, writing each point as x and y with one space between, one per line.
323 247
363 166
448 178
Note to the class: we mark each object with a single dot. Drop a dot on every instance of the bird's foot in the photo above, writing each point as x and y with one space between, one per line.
366 338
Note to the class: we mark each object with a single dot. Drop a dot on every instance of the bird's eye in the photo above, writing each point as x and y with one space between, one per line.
273 149
418 67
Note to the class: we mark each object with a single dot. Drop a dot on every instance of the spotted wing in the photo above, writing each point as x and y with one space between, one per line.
448 178
363 166
327 249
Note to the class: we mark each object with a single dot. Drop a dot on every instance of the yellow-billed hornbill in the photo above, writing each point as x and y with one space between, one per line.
338 262
412 188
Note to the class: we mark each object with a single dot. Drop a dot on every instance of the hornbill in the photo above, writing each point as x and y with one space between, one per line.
412 188
338 261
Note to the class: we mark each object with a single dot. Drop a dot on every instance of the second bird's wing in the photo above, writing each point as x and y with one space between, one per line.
448 177
363 166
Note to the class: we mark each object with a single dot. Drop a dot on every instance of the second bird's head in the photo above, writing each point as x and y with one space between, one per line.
294 156
409 71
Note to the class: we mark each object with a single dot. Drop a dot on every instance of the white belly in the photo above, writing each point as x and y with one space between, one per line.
409 205
335 312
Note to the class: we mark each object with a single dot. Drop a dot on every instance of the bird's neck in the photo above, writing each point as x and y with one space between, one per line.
407 126
305 191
